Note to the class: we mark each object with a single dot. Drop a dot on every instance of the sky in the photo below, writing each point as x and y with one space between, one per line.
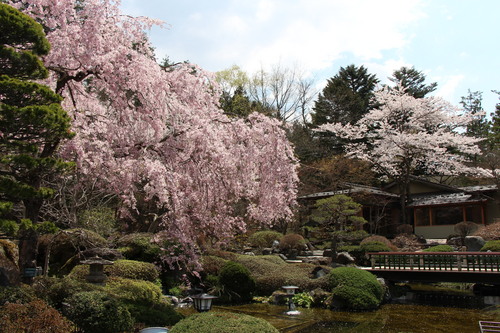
453 42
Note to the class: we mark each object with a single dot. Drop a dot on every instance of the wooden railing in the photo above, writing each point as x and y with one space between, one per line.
437 261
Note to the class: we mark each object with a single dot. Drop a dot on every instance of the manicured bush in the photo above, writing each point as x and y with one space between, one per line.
139 246
492 245
439 248
375 247
129 269
379 239
96 311
35 316
160 314
212 264
354 288
55 290
292 242
236 282
222 322
264 238
352 237
271 273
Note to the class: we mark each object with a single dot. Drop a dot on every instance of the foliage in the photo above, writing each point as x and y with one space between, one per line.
55 291
464 229
303 299
404 229
144 301
32 126
212 264
492 245
292 242
412 82
264 238
132 269
35 316
139 246
489 232
157 135
375 247
439 248
380 239
271 273
236 281
96 311
354 288
222 322
19 294
99 219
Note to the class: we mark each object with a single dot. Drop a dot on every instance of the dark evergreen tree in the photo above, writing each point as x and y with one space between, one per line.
32 126
346 97
412 81
472 104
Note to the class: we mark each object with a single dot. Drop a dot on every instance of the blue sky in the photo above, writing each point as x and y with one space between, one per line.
454 42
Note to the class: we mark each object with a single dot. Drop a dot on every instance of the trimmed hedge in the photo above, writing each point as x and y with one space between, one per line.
129 269
264 238
139 246
439 248
96 311
492 245
222 322
354 288
236 282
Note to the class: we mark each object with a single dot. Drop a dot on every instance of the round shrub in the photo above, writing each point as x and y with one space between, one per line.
139 246
222 322
439 248
129 269
236 282
35 316
374 247
55 290
264 238
96 311
492 245
212 264
292 242
349 282
20 294
379 239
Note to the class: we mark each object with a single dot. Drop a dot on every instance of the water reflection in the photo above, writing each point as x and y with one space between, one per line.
390 318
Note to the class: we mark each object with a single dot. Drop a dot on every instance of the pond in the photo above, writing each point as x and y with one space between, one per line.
390 318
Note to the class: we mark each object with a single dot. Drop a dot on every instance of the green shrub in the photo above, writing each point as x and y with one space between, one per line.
352 236
129 269
264 238
55 291
96 311
222 322
374 247
35 316
100 219
20 294
159 314
492 245
439 248
139 246
212 264
236 282
355 288
292 242
303 299
379 239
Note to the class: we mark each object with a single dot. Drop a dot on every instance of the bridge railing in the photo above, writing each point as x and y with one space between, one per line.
438 261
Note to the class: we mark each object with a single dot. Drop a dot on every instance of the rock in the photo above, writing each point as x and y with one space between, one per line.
249 253
319 272
282 256
454 241
344 258
474 243
247 249
328 253
267 251
306 253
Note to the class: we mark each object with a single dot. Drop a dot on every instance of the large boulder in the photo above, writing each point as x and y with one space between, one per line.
474 243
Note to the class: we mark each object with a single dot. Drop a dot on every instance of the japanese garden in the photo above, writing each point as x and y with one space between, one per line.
146 195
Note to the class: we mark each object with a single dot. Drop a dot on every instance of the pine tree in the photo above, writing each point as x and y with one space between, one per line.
32 126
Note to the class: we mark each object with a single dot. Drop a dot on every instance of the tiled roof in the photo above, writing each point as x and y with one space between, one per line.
442 199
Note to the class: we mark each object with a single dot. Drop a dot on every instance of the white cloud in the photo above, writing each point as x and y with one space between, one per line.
448 87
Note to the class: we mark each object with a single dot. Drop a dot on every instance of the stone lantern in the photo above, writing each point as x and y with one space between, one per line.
96 269
290 291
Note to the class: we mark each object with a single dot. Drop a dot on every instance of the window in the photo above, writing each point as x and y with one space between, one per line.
474 214
447 215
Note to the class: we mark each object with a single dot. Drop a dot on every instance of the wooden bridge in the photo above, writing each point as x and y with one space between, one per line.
473 267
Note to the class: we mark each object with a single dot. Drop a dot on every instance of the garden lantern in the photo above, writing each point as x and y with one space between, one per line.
290 291
96 269
203 302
